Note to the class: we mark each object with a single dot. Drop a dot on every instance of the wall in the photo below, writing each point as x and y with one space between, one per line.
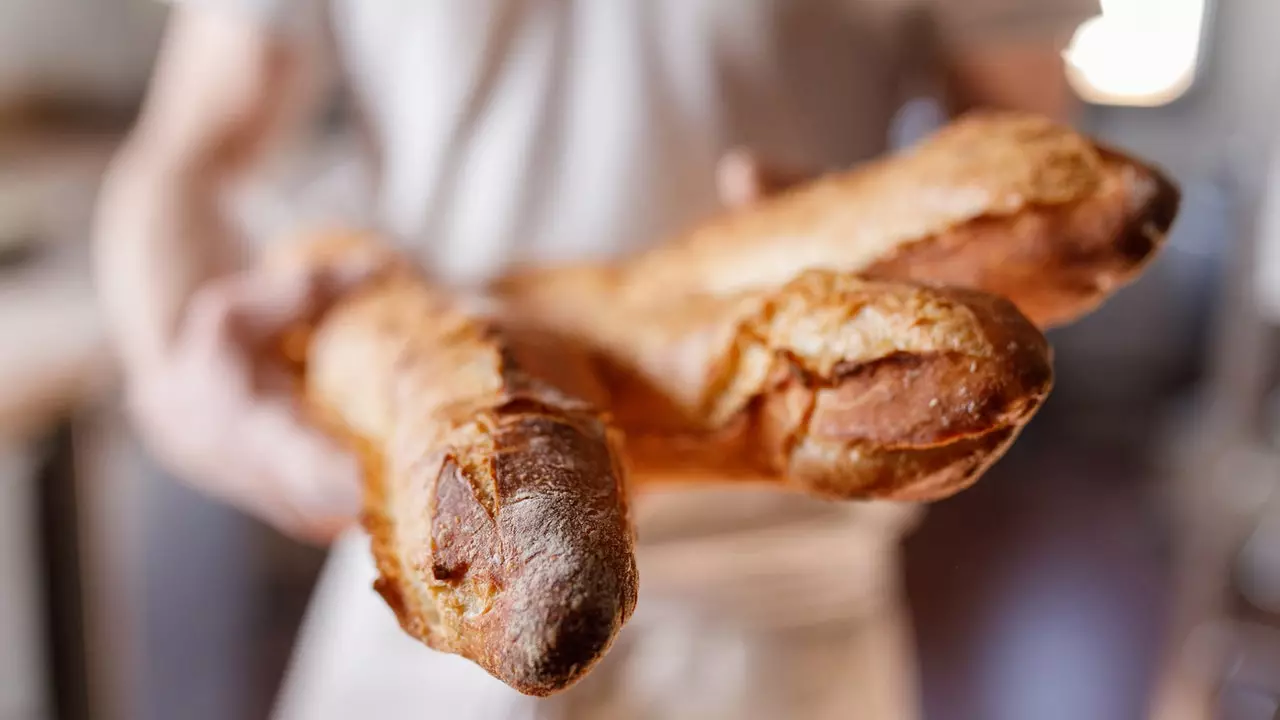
94 50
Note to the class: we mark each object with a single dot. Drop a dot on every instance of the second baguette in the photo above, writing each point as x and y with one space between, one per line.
1010 204
832 384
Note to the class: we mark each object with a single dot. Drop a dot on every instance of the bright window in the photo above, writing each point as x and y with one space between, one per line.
1137 52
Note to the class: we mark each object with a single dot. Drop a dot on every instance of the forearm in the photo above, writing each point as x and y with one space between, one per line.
160 234
222 89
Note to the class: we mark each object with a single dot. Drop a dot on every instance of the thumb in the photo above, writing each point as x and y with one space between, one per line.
742 178
261 304
316 481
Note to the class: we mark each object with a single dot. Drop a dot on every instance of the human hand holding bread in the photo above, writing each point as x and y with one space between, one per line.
219 404
837 339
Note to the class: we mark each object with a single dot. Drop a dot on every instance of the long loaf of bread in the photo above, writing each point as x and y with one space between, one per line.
493 483
691 333
833 385
806 341
1011 204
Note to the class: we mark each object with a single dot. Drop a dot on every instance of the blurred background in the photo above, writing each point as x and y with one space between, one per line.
1122 562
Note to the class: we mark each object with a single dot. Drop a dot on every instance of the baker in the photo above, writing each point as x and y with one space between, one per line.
501 132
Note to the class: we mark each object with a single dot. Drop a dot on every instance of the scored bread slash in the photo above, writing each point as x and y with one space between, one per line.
493 480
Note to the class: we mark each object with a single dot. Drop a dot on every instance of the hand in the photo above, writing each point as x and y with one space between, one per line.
221 410
743 179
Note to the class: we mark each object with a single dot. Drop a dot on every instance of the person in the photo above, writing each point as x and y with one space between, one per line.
504 132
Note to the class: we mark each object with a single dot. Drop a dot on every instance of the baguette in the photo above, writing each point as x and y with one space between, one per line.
804 341
1006 203
493 483
833 385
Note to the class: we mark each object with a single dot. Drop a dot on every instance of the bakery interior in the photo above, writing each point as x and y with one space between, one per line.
1121 562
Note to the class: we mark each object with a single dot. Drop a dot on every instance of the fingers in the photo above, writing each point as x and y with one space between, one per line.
742 179
265 459
225 416
737 179
314 484
260 305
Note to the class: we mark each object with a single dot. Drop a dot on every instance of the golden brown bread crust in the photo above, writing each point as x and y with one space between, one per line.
1007 203
494 486
834 385
495 494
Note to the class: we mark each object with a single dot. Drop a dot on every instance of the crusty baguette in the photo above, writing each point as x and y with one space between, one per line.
834 385
1006 203
744 350
1003 203
494 488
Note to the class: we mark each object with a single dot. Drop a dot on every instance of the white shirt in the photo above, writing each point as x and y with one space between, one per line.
541 130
